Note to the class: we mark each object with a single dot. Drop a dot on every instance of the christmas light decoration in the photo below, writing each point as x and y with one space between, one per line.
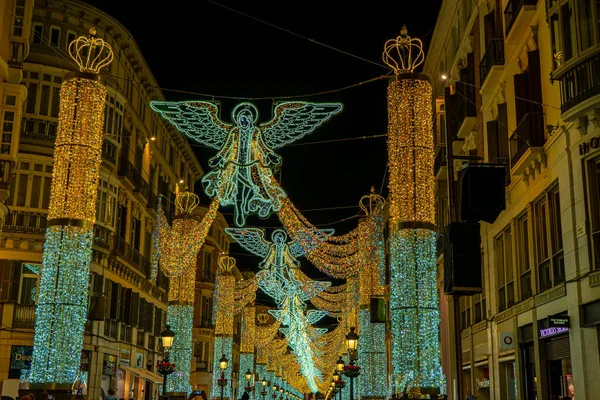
178 249
225 290
179 245
372 381
223 345
242 175
413 293
181 319
63 298
278 278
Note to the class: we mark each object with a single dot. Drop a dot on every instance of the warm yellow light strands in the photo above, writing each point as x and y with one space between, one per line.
264 335
179 245
403 54
245 293
410 152
91 53
182 287
63 292
248 330
372 254
225 296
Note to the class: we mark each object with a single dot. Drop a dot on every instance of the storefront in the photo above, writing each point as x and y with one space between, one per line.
527 358
554 337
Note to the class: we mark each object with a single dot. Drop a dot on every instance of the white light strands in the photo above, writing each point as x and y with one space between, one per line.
63 297
180 317
247 345
413 293
278 279
242 169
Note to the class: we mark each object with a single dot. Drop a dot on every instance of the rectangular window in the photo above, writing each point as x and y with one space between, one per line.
548 240
71 36
465 312
523 264
31 98
37 33
593 183
479 299
568 30
504 268
54 36
45 100
585 24
7 132
19 18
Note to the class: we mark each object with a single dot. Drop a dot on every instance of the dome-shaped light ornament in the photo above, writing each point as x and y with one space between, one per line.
403 54
226 263
372 204
91 53
186 202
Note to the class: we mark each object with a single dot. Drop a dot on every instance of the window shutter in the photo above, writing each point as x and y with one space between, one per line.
493 141
115 303
5 275
141 314
157 321
15 281
108 284
489 28
135 308
534 85
521 103
502 131
126 306
149 317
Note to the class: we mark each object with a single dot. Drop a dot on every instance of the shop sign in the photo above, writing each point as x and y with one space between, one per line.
86 356
558 322
507 341
592 144
124 357
552 331
20 357
109 363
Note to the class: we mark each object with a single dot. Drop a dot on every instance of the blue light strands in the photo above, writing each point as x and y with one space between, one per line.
413 293
63 298
242 169
223 344
277 279
247 346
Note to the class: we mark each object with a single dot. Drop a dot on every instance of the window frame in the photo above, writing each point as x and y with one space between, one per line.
506 291
54 28
592 187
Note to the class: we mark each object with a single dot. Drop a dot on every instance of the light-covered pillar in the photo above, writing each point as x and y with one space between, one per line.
64 284
413 295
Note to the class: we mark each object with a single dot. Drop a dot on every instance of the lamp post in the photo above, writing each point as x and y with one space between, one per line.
351 370
274 395
166 370
248 377
264 388
222 382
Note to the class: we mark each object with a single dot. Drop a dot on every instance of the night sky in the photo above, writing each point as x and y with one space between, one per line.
203 47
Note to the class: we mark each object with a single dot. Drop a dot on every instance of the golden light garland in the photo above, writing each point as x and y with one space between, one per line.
248 330
225 291
245 293
179 245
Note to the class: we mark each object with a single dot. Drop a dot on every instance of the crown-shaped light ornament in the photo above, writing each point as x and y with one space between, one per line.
186 202
263 318
91 53
226 263
372 203
403 54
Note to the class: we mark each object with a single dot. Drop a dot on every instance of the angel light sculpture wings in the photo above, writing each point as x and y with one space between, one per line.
277 279
241 174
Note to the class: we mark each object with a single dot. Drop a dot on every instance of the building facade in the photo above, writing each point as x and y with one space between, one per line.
518 83
142 159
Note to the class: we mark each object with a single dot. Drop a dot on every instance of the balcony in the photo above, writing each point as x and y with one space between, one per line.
132 256
162 281
517 17
24 316
26 222
461 110
526 143
142 189
152 202
578 86
492 63
109 152
201 366
439 164
127 171
38 129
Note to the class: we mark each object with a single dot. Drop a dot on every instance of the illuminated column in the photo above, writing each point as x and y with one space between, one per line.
413 294
176 250
247 346
224 292
63 294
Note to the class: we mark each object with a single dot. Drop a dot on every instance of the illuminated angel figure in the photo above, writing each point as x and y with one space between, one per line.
277 277
242 174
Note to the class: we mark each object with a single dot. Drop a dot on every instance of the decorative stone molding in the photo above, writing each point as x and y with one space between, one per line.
470 142
466 333
504 315
594 278
530 164
581 124
550 294
478 327
524 306
594 117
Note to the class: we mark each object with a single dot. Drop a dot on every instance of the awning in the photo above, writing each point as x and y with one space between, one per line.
145 374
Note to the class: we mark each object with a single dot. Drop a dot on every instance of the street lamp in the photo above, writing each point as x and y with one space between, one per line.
340 364
274 395
264 388
248 376
166 368
222 381
352 371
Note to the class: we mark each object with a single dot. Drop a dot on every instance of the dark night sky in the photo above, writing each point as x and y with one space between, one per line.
199 46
